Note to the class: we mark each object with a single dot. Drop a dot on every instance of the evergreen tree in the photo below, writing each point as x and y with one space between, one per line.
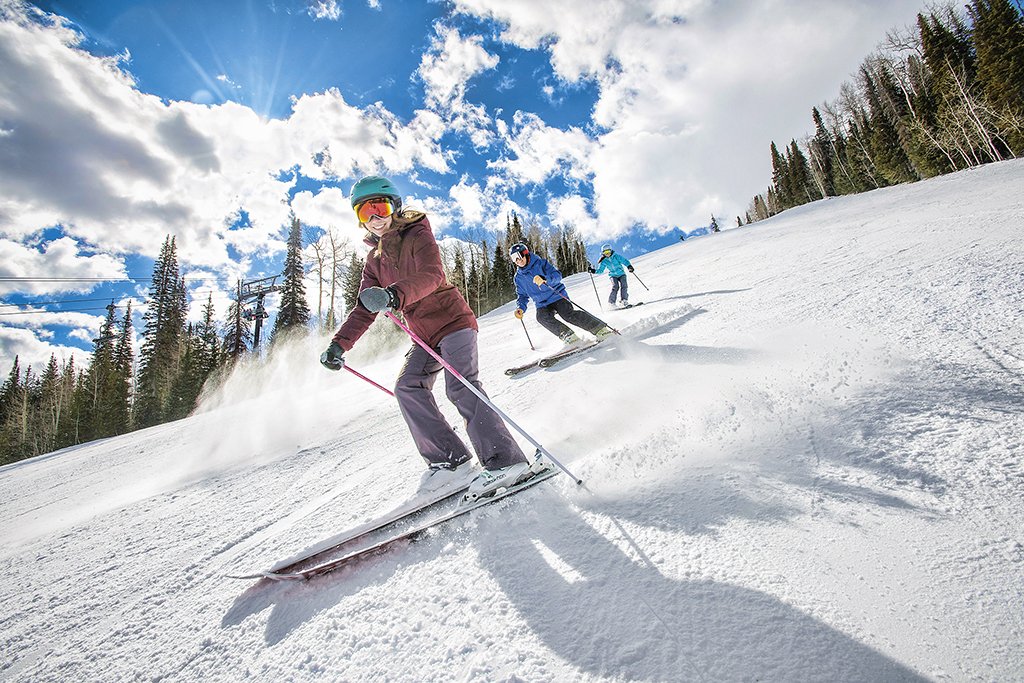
780 181
926 150
209 347
97 418
858 154
822 155
887 154
962 127
67 423
458 274
10 410
485 278
293 315
473 286
563 260
502 269
48 413
238 336
187 383
350 286
998 40
801 185
122 377
771 202
80 408
9 389
163 338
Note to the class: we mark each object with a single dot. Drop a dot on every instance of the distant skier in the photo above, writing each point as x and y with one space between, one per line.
403 273
615 264
540 281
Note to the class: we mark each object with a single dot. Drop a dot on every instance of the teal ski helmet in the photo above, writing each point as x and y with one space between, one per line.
375 186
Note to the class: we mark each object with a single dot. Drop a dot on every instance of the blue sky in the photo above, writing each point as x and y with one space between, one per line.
631 120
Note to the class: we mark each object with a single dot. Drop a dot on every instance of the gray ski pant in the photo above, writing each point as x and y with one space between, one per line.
434 437
619 281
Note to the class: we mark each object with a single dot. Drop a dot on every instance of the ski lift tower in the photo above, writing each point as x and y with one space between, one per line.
257 289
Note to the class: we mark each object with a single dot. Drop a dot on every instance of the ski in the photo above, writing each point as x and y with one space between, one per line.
548 361
519 369
622 308
410 534
551 360
410 509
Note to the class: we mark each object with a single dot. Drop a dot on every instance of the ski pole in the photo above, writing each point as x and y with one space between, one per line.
595 291
639 280
532 348
579 307
479 394
367 379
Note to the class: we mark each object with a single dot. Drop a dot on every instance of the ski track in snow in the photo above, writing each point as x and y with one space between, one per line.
802 462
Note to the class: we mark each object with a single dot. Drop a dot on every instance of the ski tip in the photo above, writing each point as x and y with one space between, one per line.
273 576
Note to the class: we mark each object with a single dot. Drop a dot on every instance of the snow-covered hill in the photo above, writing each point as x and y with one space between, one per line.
803 463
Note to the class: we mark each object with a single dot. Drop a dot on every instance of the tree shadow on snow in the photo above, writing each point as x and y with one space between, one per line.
613 616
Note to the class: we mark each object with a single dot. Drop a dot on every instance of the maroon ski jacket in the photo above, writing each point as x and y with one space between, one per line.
407 259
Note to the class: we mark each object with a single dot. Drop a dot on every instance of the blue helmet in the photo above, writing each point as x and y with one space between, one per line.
375 186
518 249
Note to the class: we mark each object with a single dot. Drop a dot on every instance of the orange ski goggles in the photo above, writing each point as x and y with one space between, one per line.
378 206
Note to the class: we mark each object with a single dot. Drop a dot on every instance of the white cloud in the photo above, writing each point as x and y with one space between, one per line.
691 92
31 350
326 208
449 63
122 169
324 9
445 69
572 211
59 258
470 200
541 151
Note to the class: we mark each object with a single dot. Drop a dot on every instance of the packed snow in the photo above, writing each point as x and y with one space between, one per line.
802 463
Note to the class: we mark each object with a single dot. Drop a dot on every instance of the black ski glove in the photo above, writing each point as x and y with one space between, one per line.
590 269
629 268
333 358
376 299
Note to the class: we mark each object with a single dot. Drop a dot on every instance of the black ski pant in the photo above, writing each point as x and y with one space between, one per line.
569 313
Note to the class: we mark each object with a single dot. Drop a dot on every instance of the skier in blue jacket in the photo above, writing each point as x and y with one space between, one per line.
615 264
540 281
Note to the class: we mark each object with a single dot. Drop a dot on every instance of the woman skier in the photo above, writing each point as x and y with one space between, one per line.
615 264
403 273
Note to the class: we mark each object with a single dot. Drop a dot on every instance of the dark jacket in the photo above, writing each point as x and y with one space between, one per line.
407 259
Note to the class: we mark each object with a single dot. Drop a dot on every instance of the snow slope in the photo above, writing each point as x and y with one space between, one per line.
803 462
